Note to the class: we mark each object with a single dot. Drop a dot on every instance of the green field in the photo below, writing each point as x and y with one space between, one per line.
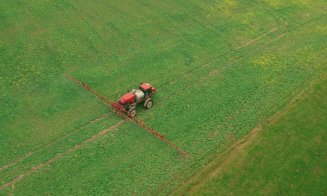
284 155
221 68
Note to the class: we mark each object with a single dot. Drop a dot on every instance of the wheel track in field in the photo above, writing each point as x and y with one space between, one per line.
61 155
87 23
251 42
285 30
215 58
103 98
237 59
284 26
160 136
202 22
9 165
240 146
137 121
71 132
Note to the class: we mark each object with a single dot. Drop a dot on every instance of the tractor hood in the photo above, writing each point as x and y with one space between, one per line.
127 98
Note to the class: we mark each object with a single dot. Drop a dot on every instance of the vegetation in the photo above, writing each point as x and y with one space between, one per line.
284 156
220 68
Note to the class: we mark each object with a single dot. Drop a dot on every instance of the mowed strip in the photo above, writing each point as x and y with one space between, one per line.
61 155
139 122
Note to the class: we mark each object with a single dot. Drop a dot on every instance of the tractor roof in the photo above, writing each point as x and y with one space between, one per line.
145 86
127 98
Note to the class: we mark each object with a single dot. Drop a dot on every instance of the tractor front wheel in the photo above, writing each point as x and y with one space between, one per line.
132 113
148 103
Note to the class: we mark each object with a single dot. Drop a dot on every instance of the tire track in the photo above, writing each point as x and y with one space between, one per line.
239 147
104 99
252 41
61 155
214 59
86 22
222 68
16 161
284 26
217 165
73 131
160 136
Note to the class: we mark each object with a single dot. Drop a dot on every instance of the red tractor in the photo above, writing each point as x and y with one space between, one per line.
127 103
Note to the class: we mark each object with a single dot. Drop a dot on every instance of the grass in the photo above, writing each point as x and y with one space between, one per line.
286 157
220 69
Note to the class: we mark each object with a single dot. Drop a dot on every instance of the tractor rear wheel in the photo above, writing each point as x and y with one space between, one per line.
132 113
148 103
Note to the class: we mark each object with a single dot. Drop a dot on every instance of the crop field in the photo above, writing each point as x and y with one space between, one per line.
221 68
295 165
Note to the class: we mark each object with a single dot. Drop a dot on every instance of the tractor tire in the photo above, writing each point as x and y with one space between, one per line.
132 113
148 104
